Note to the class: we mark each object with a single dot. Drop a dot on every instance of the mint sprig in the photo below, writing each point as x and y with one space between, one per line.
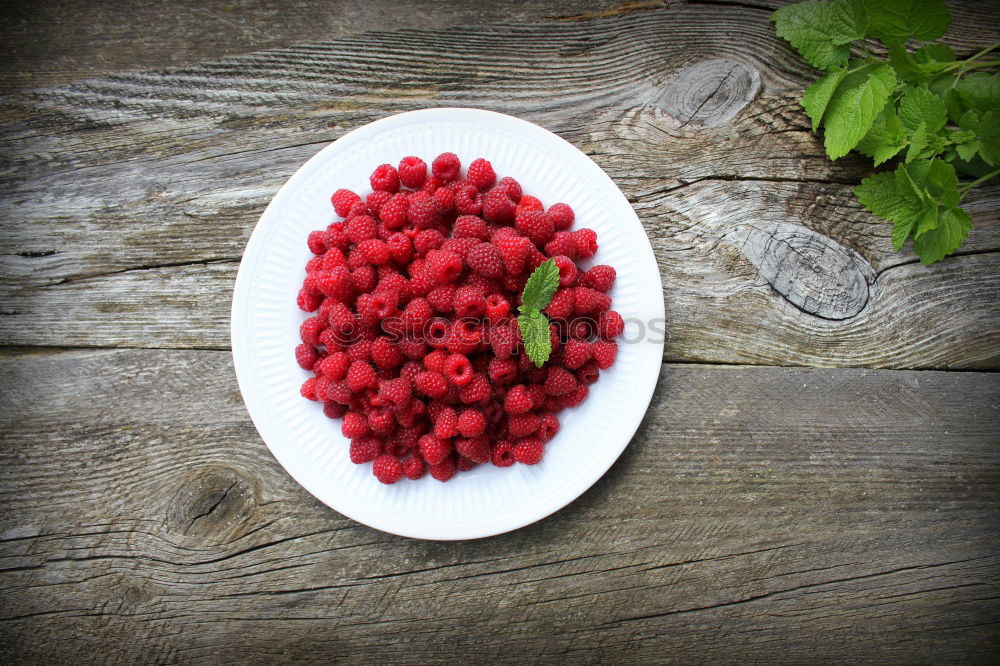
538 292
924 108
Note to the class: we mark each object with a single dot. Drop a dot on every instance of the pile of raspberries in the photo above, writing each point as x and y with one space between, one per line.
414 340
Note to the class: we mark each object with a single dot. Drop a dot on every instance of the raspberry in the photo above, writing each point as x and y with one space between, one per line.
464 337
410 370
360 376
562 304
444 470
481 174
433 450
412 348
511 187
548 426
424 210
308 302
446 199
365 449
562 216
412 171
354 425
475 449
342 201
559 381
335 366
513 251
468 200
497 308
427 240
317 242
432 185
504 338
562 243
470 226
338 392
432 384
528 202
381 422
395 212
358 208
306 356
585 241
360 351
442 298
400 248
503 454
582 328
588 300
445 266
471 423
610 324
536 226
386 354
458 370
437 332
576 396
422 280
600 277
567 270
604 352
314 264
446 166
575 354
361 228
446 425
395 393
333 258
387 469
376 200
416 314
413 467
308 389
342 322
385 178
498 207
517 400
529 451
485 259
502 371
469 302
522 425
588 372
334 410
310 329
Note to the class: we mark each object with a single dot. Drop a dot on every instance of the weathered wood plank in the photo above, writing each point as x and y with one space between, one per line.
774 513
123 188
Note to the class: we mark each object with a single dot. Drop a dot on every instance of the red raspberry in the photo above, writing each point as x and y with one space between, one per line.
562 216
424 210
559 381
422 280
470 226
317 242
567 270
308 389
471 423
575 397
588 372
562 243
562 304
476 449
387 469
416 314
481 174
498 207
431 384
528 202
358 208
536 226
338 392
464 337
511 187
361 350
335 366
308 302
413 467
522 425
342 201
427 240
433 450
444 470
333 258
412 171
582 328
395 393
469 302
575 353
400 248
412 348
502 371
529 451
310 329
503 454
337 284
385 178
442 298
354 425
610 324
432 185
386 354
468 200
361 228
585 241
365 449
446 199
395 212
505 338
458 370
437 332
513 251
381 422
360 376
588 300
445 266
357 260
548 426
517 400
376 200
375 251
434 362
459 246
334 410
306 356
604 352
446 166
337 237
410 370
485 259
600 277
497 308
314 264
446 425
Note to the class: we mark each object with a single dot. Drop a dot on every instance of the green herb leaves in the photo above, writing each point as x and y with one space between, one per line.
534 325
921 108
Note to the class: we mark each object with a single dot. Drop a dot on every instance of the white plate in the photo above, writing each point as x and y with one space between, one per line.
487 500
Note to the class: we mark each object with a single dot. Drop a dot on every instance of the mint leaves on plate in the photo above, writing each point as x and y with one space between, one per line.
538 291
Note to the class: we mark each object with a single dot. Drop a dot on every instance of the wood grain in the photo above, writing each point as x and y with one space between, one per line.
143 188
760 513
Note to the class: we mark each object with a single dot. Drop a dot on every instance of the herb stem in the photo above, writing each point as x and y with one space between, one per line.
977 181
980 54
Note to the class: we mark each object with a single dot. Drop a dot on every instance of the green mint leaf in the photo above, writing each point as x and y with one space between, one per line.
934 54
535 334
899 20
881 195
966 144
988 134
919 106
821 31
928 220
953 225
852 112
886 137
541 285
979 91
918 141
819 94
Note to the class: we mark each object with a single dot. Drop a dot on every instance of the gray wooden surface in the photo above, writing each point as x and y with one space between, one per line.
763 512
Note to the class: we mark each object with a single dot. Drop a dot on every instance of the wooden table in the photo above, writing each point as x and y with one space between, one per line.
818 473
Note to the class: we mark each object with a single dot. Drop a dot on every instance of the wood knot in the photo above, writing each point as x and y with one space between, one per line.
710 92
814 273
214 502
